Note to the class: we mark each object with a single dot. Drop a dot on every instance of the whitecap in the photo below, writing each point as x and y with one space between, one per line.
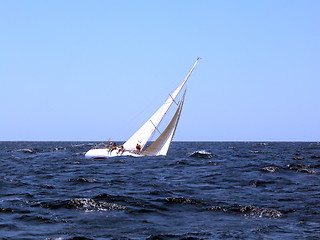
200 154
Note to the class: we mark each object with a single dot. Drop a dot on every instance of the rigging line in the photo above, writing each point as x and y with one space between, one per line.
173 99
155 127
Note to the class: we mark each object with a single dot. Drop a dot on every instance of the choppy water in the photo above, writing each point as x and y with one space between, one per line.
48 190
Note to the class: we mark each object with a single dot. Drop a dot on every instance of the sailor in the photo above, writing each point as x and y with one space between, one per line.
138 147
112 147
121 150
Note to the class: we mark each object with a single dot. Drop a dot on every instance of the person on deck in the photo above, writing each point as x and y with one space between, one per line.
121 150
112 147
138 147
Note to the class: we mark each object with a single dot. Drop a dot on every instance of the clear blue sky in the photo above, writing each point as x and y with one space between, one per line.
94 70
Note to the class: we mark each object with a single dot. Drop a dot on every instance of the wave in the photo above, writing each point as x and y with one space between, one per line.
270 169
182 200
35 151
296 167
200 154
249 211
134 204
302 168
59 148
86 204
258 152
24 150
89 204
83 180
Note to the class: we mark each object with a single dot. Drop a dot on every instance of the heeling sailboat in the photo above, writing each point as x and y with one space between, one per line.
161 145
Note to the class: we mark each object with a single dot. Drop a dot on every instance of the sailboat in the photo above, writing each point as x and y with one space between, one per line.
140 138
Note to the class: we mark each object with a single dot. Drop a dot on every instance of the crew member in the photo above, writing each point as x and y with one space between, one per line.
112 147
121 150
138 147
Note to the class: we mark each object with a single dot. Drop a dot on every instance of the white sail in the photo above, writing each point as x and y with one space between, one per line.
162 144
145 132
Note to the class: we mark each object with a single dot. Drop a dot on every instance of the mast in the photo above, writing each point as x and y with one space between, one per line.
145 132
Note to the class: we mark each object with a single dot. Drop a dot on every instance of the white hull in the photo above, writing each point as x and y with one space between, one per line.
104 153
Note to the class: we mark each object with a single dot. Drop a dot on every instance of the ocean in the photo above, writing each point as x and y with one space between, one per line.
227 190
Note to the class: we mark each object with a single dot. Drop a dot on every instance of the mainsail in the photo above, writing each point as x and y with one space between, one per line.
162 144
145 132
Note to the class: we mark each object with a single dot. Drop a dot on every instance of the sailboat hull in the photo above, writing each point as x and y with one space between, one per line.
104 153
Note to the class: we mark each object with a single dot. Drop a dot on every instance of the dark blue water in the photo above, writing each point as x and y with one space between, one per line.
48 190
